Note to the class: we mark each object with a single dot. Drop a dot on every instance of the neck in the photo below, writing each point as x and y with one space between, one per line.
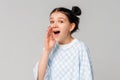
66 41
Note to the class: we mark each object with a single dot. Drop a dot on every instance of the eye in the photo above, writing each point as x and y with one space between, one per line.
51 22
61 21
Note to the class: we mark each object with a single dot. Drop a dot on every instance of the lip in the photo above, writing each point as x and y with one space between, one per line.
56 34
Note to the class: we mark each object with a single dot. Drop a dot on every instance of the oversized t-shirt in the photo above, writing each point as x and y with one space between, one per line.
68 62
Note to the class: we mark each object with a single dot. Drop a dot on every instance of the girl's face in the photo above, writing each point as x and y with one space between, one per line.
61 27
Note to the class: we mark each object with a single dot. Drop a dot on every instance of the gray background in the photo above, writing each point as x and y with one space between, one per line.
23 24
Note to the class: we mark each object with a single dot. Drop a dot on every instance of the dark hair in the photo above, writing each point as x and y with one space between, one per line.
71 14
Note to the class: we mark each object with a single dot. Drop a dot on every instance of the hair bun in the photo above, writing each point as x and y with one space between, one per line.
76 10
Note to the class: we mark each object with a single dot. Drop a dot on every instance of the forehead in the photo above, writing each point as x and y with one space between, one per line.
58 15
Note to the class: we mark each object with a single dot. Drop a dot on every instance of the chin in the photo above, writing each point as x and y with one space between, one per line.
57 40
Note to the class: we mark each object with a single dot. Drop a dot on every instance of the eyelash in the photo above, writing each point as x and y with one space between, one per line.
51 22
61 21
58 21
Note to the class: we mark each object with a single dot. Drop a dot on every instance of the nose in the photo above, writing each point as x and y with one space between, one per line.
54 25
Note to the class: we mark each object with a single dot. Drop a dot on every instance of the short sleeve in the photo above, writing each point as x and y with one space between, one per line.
35 72
48 70
86 71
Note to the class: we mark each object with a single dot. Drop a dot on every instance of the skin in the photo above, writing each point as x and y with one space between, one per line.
58 21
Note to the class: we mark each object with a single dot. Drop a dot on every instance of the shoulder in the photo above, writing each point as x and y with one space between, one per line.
80 44
81 47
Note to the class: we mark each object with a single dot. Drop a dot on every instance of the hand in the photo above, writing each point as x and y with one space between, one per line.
49 40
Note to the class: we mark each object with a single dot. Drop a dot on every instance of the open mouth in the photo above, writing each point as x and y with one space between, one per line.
56 32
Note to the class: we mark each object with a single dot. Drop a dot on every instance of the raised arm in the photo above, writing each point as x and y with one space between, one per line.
43 63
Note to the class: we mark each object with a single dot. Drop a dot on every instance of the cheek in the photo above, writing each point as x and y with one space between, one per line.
65 29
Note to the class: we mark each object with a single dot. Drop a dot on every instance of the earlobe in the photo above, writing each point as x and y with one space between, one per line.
72 27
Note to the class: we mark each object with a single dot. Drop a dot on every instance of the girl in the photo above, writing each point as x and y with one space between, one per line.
64 57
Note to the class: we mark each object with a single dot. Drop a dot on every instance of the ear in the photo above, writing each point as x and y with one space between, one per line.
72 27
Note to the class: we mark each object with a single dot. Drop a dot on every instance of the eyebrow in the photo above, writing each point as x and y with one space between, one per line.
58 18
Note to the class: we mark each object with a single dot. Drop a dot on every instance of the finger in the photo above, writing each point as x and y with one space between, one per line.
49 32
